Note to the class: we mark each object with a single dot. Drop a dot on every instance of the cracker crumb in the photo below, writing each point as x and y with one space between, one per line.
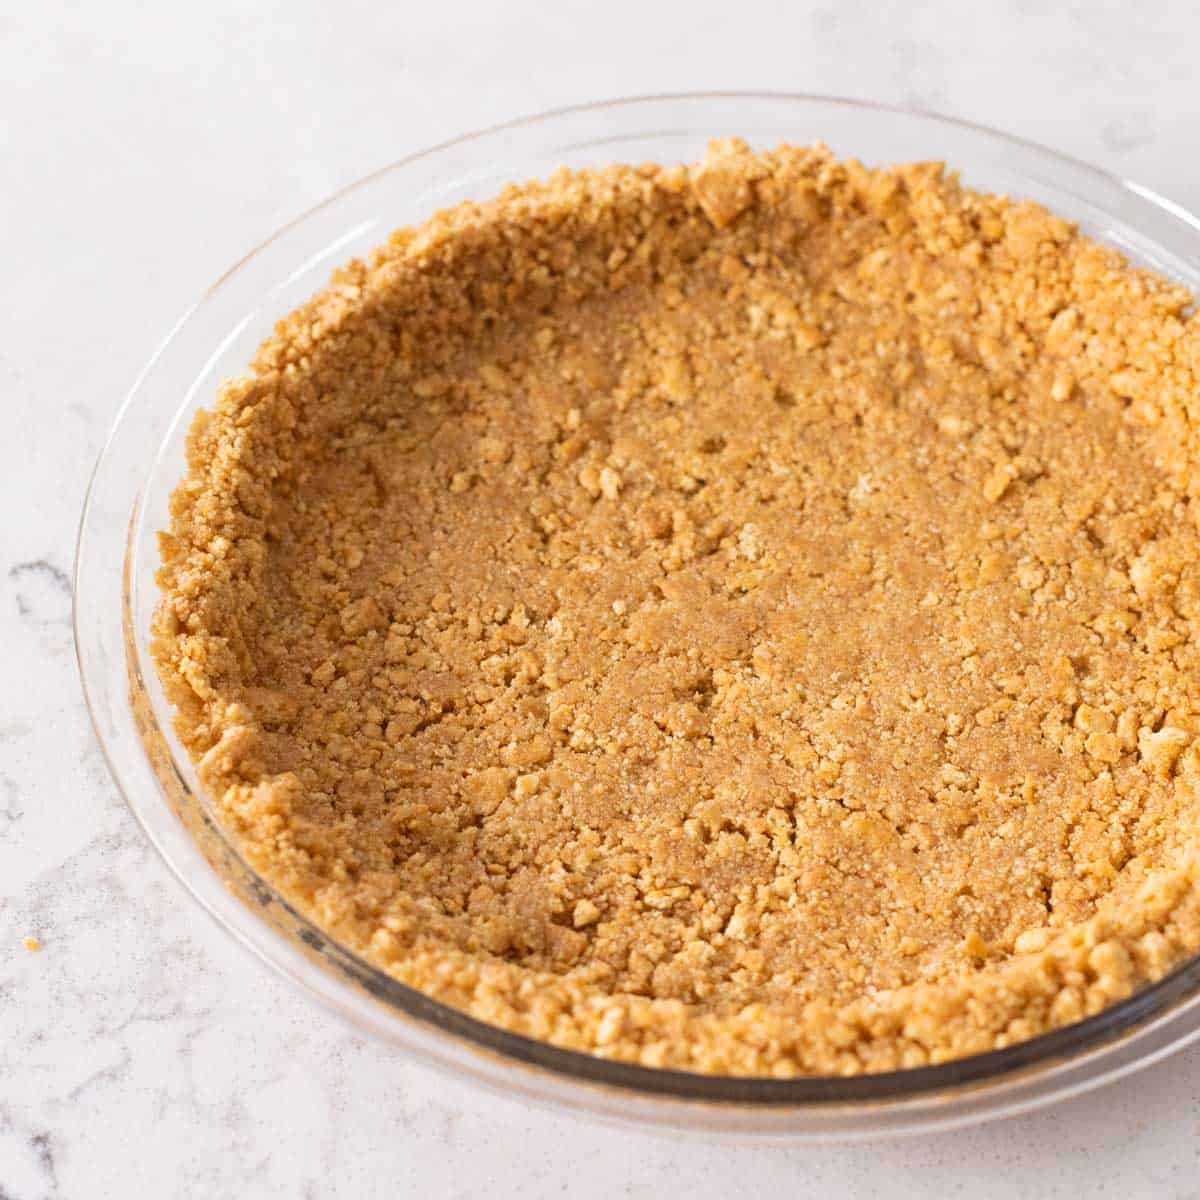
1160 748
585 913
609 483
996 484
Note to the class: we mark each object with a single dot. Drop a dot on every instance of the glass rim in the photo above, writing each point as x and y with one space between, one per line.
1146 1012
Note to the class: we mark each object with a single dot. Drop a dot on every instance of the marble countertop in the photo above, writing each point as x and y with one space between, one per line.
146 147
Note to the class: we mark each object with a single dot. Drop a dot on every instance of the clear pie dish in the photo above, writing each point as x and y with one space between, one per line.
116 594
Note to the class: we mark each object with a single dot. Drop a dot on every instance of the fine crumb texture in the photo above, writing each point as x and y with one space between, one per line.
737 617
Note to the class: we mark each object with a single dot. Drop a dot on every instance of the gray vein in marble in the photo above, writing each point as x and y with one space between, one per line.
1128 133
42 591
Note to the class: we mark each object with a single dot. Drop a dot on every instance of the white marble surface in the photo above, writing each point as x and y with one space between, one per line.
146 147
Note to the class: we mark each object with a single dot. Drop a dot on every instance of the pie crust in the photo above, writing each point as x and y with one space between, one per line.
736 617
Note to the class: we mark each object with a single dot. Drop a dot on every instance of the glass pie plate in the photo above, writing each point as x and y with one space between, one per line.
115 595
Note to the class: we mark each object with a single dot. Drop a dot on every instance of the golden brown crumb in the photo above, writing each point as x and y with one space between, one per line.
737 618
31 944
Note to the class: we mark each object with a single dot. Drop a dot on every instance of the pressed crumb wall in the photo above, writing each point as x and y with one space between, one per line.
736 617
